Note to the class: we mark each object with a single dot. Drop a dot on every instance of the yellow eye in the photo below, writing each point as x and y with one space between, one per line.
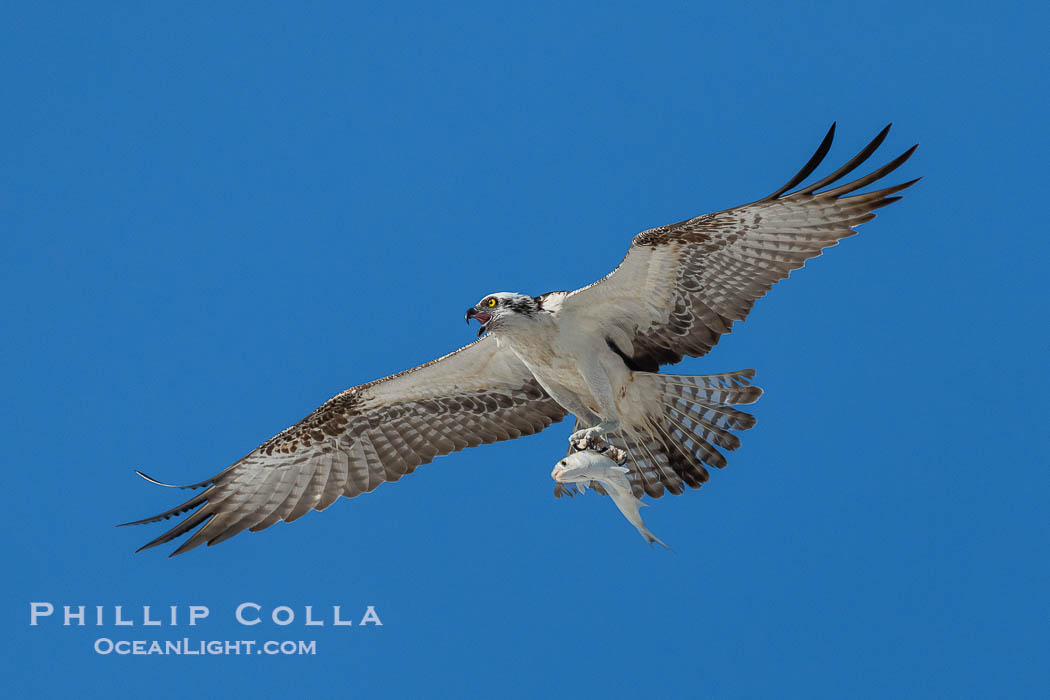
491 302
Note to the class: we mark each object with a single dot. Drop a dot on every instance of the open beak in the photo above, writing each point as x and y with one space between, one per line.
481 316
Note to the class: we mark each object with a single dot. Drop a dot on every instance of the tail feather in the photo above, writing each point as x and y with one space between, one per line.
692 419
651 464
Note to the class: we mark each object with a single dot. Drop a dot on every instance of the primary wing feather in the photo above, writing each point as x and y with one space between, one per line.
683 285
365 436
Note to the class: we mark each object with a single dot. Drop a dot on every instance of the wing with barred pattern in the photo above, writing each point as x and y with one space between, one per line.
366 436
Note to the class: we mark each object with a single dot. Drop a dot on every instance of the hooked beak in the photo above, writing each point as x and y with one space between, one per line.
482 317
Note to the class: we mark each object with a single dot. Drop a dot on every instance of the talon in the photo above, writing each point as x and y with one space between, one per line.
589 436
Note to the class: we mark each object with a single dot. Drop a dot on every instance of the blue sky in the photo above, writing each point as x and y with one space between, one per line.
217 216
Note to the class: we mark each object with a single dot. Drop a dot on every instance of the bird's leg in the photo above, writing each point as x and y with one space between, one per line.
596 378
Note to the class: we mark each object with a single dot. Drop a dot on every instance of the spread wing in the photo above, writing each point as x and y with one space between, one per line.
682 286
365 436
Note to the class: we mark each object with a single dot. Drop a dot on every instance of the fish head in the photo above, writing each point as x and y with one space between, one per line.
586 466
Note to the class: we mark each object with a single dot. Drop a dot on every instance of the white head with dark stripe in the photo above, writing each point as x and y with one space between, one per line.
502 310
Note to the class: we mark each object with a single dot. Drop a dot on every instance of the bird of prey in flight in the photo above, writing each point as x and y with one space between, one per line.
594 352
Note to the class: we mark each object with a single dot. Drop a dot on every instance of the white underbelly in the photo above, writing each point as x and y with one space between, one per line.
556 359
565 374
559 375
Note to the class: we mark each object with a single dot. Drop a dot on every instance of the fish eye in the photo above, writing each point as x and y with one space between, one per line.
491 302
561 463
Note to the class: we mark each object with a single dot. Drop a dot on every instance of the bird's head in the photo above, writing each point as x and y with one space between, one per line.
499 310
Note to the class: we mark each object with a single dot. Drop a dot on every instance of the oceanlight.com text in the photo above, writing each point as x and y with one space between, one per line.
105 646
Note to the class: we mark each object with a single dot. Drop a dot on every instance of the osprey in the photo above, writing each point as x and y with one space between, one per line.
595 353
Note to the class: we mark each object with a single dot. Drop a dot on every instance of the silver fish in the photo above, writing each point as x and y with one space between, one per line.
589 465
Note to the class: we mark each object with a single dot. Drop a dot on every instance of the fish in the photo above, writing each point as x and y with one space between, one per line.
590 465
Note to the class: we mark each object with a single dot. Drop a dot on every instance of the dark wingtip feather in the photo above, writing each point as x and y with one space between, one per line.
852 163
174 512
191 543
810 166
201 516
199 484
870 177
880 198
